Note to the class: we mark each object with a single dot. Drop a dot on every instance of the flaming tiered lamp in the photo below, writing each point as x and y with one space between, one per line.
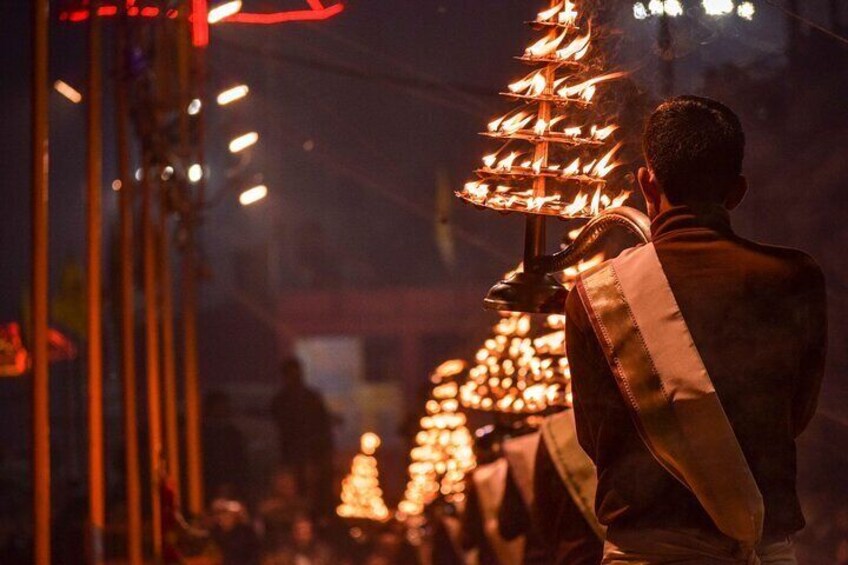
443 452
362 497
522 367
555 153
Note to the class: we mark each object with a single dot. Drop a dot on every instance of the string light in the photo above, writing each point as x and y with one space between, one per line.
253 195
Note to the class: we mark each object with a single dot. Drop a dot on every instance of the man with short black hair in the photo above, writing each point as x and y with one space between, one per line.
696 362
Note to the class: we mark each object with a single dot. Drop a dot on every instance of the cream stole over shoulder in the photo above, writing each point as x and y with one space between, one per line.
664 382
520 454
573 465
490 482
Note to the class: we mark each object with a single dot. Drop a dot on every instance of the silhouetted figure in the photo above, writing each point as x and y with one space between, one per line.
304 430
224 453
280 509
305 547
233 535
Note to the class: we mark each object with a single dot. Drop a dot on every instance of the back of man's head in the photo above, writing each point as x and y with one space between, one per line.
694 146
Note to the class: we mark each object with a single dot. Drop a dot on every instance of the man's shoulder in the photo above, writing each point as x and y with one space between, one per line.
788 264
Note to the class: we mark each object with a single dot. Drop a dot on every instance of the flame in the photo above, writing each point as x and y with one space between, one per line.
573 131
603 167
533 84
577 205
569 14
586 89
602 133
489 160
536 202
549 13
516 122
572 169
476 190
577 49
540 127
505 164
546 45
594 207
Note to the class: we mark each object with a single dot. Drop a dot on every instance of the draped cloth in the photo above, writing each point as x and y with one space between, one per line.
520 453
490 483
573 465
688 547
674 405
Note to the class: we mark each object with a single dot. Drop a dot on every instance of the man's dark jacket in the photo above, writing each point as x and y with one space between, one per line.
757 316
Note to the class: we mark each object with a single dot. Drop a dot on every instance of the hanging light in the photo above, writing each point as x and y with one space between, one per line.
244 141
232 94
223 11
195 172
717 7
253 195
194 107
68 91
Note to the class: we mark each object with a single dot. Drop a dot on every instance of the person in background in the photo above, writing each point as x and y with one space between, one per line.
224 451
304 548
233 535
280 508
304 428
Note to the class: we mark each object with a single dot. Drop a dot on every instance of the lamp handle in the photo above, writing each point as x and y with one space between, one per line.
624 217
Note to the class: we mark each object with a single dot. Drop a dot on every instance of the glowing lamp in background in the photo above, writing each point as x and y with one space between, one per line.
223 11
194 107
68 91
746 10
243 141
718 7
253 195
195 172
232 94
369 443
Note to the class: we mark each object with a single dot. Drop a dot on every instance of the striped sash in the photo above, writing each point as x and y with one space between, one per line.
662 378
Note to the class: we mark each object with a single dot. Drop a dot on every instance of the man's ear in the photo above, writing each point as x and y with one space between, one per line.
650 190
737 193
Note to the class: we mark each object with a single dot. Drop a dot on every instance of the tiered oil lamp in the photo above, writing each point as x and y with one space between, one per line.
562 167
362 497
443 452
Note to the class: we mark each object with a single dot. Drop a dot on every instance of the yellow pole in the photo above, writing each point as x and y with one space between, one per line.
131 459
96 494
168 361
152 355
40 369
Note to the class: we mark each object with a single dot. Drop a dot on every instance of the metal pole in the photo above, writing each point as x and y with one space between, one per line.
154 429
131 459
169 371
96 473
40 369
194 453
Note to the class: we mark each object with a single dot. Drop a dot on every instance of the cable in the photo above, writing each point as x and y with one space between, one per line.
812 24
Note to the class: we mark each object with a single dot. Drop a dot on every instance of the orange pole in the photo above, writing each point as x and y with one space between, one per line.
40 368
169 369
96 473
152 355
194 454
131 459
194 447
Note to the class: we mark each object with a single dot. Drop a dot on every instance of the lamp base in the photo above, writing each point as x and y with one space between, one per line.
532 293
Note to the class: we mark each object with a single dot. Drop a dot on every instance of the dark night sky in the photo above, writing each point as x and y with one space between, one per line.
370 181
